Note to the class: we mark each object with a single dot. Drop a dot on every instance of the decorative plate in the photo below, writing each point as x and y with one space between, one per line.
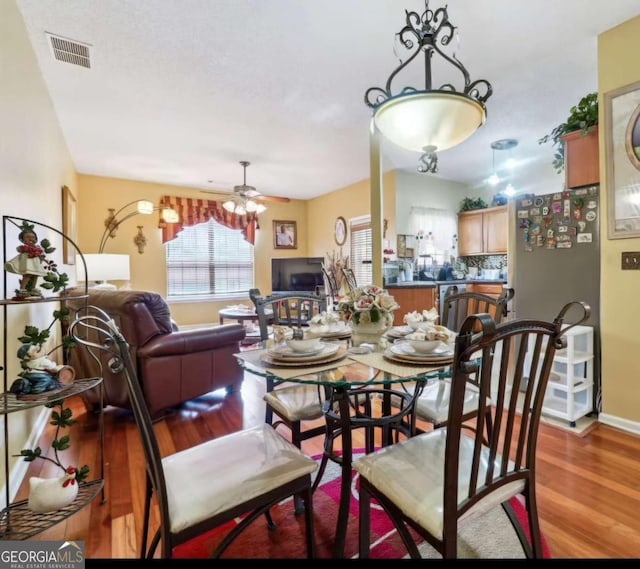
425 359
268 358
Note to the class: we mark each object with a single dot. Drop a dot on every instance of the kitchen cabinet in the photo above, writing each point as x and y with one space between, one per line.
569 393
410 299
486 288
483 231
581 159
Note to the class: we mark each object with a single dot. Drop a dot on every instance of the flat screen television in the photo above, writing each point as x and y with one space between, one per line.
296 274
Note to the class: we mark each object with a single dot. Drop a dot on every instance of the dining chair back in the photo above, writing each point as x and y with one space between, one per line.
331 284
458 305
292 403
238 476
433 404
433 481
350 278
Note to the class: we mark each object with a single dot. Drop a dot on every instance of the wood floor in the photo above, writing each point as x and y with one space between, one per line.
588 486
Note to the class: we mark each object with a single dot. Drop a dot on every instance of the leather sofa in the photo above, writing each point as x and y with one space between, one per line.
173 365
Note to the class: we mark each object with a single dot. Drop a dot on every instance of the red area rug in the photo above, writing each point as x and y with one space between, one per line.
490 535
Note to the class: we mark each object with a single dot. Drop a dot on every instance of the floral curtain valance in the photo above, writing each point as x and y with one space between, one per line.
193 211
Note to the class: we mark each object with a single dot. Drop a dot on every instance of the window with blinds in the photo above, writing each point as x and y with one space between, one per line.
361 251
208 260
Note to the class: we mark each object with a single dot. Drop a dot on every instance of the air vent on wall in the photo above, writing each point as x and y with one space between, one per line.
69 51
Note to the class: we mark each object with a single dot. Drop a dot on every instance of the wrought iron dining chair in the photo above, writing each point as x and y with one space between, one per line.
431 482
238 476
350 278
433 404
293 403
331 283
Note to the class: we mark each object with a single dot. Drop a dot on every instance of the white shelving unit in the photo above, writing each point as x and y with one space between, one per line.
569 392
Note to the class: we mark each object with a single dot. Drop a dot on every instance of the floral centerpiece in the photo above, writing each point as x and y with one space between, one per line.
368 304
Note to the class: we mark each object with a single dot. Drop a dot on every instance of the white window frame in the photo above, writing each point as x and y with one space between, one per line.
236 244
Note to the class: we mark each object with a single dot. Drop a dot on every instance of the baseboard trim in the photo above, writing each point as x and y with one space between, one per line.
619 423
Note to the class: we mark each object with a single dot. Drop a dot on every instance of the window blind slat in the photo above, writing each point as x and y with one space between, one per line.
361 252
209 259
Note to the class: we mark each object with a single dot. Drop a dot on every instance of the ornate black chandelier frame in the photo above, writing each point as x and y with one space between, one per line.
428 33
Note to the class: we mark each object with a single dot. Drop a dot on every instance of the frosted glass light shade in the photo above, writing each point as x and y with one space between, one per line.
145 207
433 118
103 267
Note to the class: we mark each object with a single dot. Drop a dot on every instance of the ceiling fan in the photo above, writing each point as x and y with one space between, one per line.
247 199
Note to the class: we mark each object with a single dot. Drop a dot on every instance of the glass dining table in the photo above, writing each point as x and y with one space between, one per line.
369 391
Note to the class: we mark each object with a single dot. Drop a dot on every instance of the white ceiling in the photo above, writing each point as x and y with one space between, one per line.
180 91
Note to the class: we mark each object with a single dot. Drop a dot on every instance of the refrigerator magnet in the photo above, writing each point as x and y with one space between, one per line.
563 245
585 238
556 207
591 204
591 215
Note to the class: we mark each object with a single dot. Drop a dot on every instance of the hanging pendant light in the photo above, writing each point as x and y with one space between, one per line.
502 144
429 120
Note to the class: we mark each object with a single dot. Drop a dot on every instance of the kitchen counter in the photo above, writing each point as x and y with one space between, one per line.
433 284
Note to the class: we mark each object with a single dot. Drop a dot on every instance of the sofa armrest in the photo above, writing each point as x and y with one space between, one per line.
192 341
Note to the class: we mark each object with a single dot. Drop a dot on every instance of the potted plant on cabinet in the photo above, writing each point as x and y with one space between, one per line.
576 142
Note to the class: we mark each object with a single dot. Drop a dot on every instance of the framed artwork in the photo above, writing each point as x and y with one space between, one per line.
285 234
340 231
622 152
69 225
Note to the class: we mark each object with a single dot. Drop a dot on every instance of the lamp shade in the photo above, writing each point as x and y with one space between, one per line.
102 267
429 119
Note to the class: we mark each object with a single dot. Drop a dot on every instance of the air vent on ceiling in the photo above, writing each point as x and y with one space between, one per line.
69 51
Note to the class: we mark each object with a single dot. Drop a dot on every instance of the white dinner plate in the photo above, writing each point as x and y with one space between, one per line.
337 332
285 353
406 350
399 331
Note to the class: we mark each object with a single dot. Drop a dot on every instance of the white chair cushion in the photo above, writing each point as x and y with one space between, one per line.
296 403
411 475
433 403
217 475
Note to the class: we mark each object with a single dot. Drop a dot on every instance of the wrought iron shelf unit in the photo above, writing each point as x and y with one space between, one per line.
17 521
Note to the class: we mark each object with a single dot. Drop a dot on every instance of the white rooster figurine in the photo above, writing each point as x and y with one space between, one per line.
48 494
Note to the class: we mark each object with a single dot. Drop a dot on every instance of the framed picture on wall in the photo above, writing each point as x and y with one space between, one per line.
69 225
285 234
622 151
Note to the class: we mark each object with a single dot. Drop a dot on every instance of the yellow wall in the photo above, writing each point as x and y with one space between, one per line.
97 194
315 220
34 165
620 305
349 202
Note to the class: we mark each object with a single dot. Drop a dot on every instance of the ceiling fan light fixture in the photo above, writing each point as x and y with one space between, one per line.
442 117
251 206
230 206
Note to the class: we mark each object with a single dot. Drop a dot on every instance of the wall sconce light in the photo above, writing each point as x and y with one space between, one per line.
143 207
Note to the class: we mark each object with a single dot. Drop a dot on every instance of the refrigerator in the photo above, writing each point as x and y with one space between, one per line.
556 259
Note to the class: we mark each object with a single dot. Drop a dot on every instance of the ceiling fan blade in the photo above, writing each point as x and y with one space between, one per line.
271 199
